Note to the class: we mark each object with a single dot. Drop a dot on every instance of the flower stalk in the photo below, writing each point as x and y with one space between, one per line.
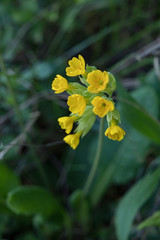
97 158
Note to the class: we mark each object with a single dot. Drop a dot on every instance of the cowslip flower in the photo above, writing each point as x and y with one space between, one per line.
76 67
60 84
77 104
102 106
66 123
87 100
115 132
73 139
98 81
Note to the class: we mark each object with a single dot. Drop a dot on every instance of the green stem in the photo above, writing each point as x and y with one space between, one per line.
21 122
97 158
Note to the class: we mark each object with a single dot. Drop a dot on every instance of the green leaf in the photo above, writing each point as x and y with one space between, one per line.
90 68
86 122
152 80
84 80
136 146
76 88
80 207
133 201
154 220
111 85
127 155
138 117
114 114
30 200
4 209
130 156
8 180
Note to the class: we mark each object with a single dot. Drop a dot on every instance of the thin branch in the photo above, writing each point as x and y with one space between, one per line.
22 136
45 145
36 98
149 49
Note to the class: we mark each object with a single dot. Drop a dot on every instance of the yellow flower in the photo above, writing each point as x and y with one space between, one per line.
77 104
115 133
76 67
102 106
67 123
60 84
72 139
98 81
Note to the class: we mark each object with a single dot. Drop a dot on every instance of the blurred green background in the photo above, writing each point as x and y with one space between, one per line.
37 38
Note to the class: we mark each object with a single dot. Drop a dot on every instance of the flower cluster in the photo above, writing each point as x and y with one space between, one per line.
87 100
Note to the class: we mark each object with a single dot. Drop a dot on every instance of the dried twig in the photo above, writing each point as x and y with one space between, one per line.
36 98
138 55
22 136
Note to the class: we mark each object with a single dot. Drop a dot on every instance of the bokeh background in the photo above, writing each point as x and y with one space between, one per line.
37 38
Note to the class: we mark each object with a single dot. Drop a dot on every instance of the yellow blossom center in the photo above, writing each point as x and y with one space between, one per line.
103 105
